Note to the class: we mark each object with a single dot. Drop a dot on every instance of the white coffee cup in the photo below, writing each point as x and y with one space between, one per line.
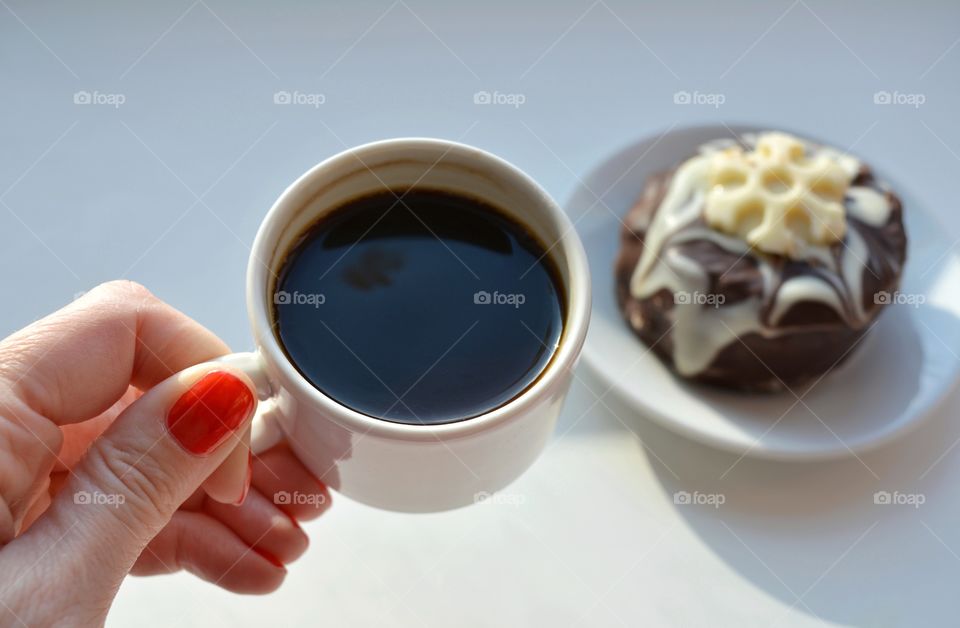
413 468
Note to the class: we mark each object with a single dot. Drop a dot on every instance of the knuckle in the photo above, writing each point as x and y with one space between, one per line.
148 489
122 290
28 446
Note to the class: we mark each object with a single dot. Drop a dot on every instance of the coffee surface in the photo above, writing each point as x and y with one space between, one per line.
429 309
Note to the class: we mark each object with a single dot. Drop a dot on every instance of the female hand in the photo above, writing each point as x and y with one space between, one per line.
121 453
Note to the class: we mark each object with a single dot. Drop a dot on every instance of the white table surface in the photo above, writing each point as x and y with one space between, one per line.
169 187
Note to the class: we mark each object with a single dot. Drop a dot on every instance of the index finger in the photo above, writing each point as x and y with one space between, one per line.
77 362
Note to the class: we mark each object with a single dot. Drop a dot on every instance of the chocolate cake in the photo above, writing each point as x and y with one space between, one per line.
759 263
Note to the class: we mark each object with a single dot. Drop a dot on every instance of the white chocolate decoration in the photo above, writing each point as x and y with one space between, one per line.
820 183
868 205
776 197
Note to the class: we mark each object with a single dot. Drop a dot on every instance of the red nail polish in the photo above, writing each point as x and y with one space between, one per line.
213 408
270 557
293 520
246 484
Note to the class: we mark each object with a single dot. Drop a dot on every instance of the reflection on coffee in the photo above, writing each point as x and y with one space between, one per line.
419 306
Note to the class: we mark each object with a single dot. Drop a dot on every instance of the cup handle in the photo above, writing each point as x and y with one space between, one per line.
265 429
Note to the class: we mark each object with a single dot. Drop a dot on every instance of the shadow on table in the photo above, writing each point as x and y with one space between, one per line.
867 540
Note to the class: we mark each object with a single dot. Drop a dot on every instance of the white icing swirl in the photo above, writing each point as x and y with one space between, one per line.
869 206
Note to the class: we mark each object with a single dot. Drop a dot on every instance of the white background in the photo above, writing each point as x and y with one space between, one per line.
168 189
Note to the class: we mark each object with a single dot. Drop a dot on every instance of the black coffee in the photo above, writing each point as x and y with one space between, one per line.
431 309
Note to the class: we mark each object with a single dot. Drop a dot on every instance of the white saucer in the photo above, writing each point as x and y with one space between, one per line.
900 371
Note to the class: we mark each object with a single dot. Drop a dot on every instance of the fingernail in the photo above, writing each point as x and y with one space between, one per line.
246 484
213 408
270 557
293 520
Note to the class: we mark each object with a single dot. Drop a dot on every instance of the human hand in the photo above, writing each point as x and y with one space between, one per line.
121 453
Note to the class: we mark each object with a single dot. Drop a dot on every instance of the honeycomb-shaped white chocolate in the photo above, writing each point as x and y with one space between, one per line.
777 197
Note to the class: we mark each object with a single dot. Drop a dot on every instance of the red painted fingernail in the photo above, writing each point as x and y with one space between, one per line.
246 484
293 520
213 408
270 557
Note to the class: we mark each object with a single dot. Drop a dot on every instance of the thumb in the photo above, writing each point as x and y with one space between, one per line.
152 458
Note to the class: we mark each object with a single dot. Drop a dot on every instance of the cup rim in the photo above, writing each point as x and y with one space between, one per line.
577 290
